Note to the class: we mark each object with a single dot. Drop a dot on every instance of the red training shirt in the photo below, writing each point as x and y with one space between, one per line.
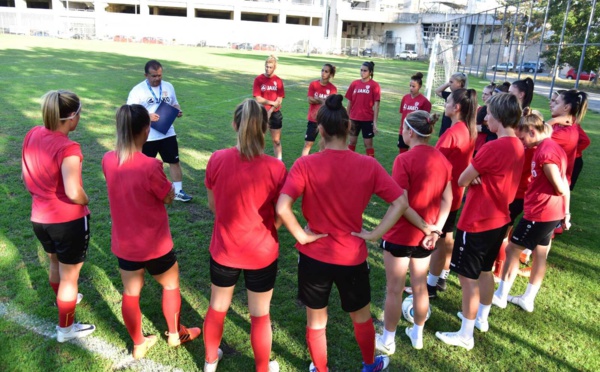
320 91
269 88
363 97
409 104
567 136
526 173
584 140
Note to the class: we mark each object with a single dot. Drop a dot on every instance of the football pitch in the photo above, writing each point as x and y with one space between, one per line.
561 334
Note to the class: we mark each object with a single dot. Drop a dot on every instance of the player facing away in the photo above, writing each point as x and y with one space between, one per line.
243 186
332 247
492 178
140 236
547 201
363 97
318 91
458 80
410 243
411 102
51 170
268 91
150 93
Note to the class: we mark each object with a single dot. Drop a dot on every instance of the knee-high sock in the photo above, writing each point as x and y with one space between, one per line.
365 336
371 152
171 305
55 287
132 316
213 332
352 147
261 337
66 312
316 339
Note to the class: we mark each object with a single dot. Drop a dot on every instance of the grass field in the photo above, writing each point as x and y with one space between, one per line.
562 333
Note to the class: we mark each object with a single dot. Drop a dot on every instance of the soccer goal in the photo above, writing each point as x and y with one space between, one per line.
443 62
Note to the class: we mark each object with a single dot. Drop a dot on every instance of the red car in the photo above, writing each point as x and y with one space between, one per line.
572 74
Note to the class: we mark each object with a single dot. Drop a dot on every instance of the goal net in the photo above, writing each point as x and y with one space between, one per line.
443 62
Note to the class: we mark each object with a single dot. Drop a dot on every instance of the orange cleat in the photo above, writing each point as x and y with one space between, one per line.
185 335
525 272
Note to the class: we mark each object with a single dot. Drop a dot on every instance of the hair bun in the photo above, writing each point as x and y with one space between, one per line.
334 101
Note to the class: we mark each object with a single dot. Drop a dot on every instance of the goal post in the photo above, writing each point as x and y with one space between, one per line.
443 62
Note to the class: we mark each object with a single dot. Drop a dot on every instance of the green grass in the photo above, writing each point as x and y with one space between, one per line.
562 333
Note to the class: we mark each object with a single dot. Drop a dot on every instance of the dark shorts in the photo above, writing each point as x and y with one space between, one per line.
397 250
68 240
260 280
166 147
316 278
576 170
515 208
450 224
276 120
365 126
476 252
530 234
401 144
311 132
155 266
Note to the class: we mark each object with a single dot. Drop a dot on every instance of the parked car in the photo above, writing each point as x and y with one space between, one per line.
367 52
505 66
572 74
407 54
530 67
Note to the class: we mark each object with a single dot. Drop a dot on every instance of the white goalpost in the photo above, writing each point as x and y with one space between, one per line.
442 64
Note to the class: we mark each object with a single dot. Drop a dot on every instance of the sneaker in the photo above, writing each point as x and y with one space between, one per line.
212 367
139 351
518 300
77 331
381 363
497 301
441 284
273 366
482 326
386 349
79 298
455 339
432 291
524 258
524 272
185 335
182 196
417 343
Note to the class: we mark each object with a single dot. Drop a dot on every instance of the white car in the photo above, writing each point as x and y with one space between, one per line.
502 67
407 54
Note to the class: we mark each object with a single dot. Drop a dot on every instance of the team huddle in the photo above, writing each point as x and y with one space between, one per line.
509 160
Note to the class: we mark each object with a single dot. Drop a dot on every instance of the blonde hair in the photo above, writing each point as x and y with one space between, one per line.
272 59
57 106
132 120
421 122
461 77
250 120
533 120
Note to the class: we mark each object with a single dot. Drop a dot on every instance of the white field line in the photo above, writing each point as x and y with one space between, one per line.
120 358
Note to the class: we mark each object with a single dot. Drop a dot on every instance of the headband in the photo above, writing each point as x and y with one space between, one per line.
413 129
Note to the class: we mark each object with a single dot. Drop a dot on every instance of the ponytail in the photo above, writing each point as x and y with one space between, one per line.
467 99
371 66
57 106
250 120
132 120
578 101
525 86
333 118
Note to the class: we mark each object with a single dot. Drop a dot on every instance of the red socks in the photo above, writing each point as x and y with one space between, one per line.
213 332
66 312
371 152
132 316
261 337
171 305
352 147
365 336
55 287
316 339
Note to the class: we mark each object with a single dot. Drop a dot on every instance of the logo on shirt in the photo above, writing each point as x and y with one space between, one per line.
264 87
414 107
533 172
321 95
366 90
151 101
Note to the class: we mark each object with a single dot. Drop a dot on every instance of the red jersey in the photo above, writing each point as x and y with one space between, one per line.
410 104
363 97
42 157
542 204
413 172
245 193
457 146
567 136
500 165
269 88
336 186
584 140
320 91
136 190
526 173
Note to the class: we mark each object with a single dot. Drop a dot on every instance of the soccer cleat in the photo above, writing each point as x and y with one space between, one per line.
139 351
524 272
182 196
386 349
432 291
76 330
497 301
524 258
79 298
482 326
455 339
185 335
273 366
212 367
381 363
518 300
417 343
441 285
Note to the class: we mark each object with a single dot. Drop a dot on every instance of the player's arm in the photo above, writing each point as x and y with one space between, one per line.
211 200
168 199
441 89
469 176
285 212
71 175
561 187
392 215
375 115
315 101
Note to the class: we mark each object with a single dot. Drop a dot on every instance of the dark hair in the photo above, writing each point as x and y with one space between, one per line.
152 64
57 106
417 78
333 117
525 86
578 101
331 69
371 66
422 122
506 108
251 121
502 88
131 121
467 99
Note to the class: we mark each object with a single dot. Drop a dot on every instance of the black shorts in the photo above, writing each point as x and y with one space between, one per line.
397 250
68 240
365 126
450 223
155 266
276 120
260 280
316 278
476 252
530 234
166 147
515 208
401 144
311 132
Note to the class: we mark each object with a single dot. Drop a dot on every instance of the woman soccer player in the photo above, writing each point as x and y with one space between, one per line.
484 133
141 239
429 197
318 91
268 91
51 166
363 97
546 205
493 182
243 186
457 81
457 145
332 248
412 102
